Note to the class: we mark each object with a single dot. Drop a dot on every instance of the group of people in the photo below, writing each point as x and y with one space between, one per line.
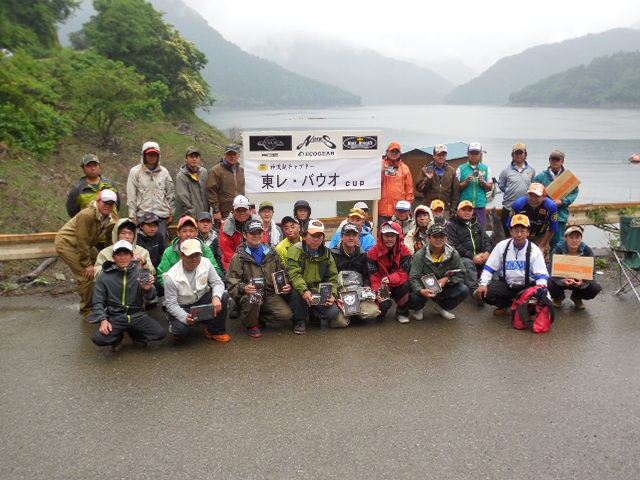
231 259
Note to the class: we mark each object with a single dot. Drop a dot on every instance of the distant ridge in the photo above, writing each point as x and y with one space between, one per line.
513 73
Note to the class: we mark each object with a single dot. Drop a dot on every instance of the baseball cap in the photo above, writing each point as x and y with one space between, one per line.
232 147
537 189
420 209
350 227
200 216
437 204
190 246
192 149
573 228
556 154
394 146
356 212
148 217
241 202
465 203
253 226
265 205
107 195
437 229
187 219
152 150
475 147
519 146
361 205
287 219
122 245
403 205
88 158
388 228
440 148
519 220
315 226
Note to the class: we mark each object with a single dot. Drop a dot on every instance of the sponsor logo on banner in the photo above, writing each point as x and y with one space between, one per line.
270 143
315 146
360 143
311 140
270 155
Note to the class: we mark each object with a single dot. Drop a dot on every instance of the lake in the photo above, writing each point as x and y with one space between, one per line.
597 142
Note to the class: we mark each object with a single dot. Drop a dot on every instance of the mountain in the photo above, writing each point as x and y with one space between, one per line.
379 80
454 71
609 81
237 78
513 73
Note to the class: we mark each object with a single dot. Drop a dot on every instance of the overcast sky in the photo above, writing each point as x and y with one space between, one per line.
477 33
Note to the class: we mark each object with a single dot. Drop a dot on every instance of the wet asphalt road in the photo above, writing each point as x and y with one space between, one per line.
464 399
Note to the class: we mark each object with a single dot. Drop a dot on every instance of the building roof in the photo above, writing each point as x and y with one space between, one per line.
455 150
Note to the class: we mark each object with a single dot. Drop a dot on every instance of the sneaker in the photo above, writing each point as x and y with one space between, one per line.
221 337
299 328
443 313
416 314
403 318
577 302
254 332
500 311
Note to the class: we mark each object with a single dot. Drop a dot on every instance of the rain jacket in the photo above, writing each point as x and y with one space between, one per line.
469 239
191 190
395 187
106 254
307 271
366 239
394 264
415 239
231 237
223 185
150 191
423 264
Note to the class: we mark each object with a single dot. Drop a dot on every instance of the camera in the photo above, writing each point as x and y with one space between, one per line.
476 173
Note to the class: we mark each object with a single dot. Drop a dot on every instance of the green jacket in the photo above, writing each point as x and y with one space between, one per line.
422 264
308 271
171 256
243 267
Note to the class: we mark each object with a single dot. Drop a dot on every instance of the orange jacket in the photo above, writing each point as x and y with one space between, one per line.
395 187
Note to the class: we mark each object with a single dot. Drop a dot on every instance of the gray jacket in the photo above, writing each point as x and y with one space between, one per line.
192 193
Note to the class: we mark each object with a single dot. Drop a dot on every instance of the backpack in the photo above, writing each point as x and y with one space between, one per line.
532 309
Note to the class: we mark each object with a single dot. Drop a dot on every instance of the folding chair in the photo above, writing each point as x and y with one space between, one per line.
628 256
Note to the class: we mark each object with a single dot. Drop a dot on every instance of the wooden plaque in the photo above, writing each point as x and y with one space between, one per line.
572 266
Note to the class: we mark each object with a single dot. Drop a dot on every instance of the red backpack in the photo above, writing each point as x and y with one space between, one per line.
532 309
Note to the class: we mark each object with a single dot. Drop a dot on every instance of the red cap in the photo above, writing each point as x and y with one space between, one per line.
394 146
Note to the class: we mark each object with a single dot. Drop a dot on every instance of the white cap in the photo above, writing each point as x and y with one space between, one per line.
361 205
191 246
475 147
440 148
122 244
403 205
241 202
107 195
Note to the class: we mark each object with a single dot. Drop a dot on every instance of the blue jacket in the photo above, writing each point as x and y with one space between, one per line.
366 239
546 178
542 219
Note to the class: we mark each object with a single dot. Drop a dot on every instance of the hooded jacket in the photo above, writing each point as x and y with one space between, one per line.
224 183
468 238
106 254
191 190
397 184
415 239
394 264
423 264
150 191
243 268
118 293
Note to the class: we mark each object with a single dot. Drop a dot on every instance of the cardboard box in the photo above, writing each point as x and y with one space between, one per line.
563 185
572 266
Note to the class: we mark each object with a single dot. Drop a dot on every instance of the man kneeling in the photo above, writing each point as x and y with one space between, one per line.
194 282
118 301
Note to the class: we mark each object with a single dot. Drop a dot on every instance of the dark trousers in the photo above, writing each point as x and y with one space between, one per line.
450 297
504 216
556 289
216 326
400 295
301 310
140 327
501 295
273 310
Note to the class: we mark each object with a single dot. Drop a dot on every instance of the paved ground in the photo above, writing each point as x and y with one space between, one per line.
464 399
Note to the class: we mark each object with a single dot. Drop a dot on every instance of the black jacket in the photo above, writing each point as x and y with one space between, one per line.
468 239
356 262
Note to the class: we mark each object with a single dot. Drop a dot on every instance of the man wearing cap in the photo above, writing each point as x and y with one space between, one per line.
546 177
442 262
416 238
438 180
150 189
402 216
151 240
208 235
437 209
311 263
389 262
257 259
118 301
397 183
542 212
365 208
475 181
514 181
191 282
76 243
365 238
580 289
291 230
353 272
225 183
191 184
272 233
89 186
232 228
471 241
187 230
519 264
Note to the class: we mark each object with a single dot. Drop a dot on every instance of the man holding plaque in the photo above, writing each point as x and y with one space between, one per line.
437 274
255 259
